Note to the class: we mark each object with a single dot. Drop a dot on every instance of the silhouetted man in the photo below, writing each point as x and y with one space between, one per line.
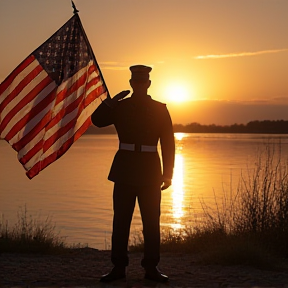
136 169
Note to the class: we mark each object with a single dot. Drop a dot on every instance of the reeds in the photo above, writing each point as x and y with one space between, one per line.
30 235
246 226
259 208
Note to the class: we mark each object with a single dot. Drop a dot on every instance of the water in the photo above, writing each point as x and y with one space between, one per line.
76 194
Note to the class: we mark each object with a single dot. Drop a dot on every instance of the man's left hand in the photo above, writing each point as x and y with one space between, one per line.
166 184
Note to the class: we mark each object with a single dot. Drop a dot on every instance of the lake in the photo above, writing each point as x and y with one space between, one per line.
75 193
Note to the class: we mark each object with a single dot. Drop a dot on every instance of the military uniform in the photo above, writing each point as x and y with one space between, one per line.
137 171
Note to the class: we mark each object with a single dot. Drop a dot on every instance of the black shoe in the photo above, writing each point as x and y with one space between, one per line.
152 273
116 273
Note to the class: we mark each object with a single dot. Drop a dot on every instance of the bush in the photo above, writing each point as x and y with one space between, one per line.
30 235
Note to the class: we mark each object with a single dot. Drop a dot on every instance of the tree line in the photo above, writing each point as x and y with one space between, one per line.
264 127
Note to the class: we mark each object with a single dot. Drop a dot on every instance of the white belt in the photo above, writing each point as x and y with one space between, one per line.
137 148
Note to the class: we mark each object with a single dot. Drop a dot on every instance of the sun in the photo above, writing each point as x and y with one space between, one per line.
176 93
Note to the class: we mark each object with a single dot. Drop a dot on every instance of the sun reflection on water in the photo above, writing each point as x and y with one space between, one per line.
178 183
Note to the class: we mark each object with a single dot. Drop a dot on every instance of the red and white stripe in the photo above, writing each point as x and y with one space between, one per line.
41 120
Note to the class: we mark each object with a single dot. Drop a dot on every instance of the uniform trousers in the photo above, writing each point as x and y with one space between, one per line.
124 199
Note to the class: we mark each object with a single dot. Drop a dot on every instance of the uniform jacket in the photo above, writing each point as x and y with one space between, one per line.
140 121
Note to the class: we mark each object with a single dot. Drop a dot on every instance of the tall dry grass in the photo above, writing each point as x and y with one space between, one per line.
30 235
246 226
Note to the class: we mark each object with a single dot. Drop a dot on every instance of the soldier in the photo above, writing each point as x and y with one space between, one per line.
136 169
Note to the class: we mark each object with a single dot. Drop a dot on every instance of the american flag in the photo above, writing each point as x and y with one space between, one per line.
47 101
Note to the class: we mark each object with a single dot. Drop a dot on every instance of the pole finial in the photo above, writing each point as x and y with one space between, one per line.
74 7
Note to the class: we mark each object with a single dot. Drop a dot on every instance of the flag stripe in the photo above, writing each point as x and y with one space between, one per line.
57 118
71 101
56 132
85 115
27 94
29 121
81 119
14 75
61 131
31 152
47 101
63 107
72 113
28 141
16 88
80 79
24 106
57 154
82 124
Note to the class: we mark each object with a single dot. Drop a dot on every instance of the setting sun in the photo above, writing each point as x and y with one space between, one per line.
177 93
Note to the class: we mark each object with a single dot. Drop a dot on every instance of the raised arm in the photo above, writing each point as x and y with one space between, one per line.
103 115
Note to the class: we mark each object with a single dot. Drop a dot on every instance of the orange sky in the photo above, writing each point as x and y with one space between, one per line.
228 60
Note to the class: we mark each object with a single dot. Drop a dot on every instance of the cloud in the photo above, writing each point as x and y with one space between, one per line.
256 101
110 65
114 65
241 54
266 101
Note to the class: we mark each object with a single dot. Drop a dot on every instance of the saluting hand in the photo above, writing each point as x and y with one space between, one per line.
113 102
121 95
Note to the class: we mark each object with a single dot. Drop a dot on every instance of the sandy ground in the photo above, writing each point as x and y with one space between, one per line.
83 268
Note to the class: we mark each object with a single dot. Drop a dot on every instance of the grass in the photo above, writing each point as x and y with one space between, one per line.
248 226
30 235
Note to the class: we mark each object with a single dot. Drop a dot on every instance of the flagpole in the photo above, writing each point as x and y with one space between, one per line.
74 7
75 11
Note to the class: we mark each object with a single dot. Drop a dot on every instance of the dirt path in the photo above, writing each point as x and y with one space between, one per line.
83 268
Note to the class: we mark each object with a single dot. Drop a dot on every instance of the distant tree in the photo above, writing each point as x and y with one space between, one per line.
265 127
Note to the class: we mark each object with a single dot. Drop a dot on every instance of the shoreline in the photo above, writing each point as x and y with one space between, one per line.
84 267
